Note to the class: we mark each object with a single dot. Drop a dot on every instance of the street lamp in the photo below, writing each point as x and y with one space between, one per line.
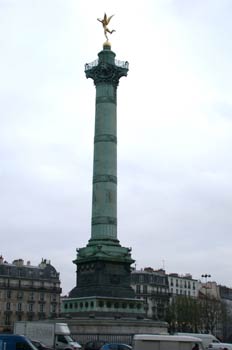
206 276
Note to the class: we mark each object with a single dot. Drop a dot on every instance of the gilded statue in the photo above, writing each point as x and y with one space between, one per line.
105 21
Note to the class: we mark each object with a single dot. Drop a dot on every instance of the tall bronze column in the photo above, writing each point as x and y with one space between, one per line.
105 73
103 266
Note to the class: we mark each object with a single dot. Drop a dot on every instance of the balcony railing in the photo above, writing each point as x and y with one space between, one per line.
121 64
25 287
89 66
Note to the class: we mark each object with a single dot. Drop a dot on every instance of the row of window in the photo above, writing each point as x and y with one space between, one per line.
137 278
155 301
182 284
144 289
8 282
101 304
9 271
26 307
183 292
9 294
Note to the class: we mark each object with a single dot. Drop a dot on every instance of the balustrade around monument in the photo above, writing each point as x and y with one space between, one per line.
118 63
109 338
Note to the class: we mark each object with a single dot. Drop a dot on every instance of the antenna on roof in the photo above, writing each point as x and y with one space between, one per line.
163 264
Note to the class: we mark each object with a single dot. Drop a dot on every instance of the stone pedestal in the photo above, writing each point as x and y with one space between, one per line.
112 330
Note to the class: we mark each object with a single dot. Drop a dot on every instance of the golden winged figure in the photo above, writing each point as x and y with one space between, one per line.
105 21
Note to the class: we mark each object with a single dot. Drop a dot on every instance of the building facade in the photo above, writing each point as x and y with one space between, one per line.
209 289
183 285
226 299
157 289
152 286
27 292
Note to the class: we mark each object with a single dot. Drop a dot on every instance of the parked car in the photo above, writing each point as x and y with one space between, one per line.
40 346
94 344
116 346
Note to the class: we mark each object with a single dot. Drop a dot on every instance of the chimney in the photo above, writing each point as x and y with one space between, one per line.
18 262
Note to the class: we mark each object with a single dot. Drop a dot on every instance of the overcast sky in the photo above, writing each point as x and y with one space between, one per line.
174 131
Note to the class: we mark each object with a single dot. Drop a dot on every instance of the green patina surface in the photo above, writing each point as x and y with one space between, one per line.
103 242
104 266
76 306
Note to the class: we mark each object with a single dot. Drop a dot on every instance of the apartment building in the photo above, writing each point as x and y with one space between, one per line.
183 285
28 292
152 286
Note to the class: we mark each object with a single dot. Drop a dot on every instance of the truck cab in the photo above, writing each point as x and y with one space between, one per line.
65 342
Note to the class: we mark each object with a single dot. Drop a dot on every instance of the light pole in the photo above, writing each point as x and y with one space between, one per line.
206 276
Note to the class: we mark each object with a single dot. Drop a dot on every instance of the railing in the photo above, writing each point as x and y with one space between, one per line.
109 338
120 64
89 66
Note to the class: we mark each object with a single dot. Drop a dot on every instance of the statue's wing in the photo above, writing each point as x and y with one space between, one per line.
109 18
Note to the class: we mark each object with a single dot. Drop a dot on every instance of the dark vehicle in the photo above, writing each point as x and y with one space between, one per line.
40 346
116 346
94 345
15 342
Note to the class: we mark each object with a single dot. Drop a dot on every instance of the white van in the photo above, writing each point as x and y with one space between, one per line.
220 346
207 339
166 342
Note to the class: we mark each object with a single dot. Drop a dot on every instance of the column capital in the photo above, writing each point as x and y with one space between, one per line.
105 73
106 69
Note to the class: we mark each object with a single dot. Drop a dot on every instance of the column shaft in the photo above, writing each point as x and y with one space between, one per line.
104 199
